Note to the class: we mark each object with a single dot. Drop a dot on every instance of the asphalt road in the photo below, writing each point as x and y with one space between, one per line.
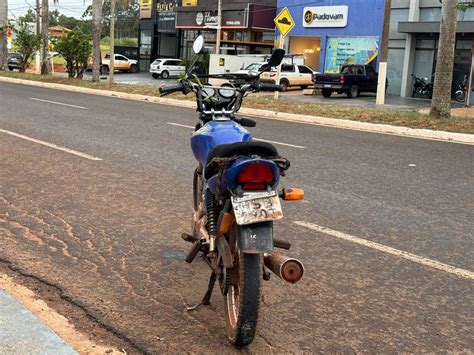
107 231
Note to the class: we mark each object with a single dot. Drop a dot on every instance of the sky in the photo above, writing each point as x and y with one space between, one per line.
74 8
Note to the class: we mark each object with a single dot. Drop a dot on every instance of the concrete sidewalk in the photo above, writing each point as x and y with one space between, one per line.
22 333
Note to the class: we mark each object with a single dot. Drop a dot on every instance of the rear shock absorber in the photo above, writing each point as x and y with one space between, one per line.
212 209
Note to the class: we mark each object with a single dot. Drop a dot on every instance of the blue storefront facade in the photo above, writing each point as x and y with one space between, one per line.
329 33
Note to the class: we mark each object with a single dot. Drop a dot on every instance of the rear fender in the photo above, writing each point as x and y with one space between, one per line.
255 238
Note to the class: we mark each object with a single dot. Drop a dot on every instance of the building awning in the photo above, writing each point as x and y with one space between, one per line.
433 27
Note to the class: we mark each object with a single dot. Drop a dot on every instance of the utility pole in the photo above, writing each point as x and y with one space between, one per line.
112 41
38 31
3 27
382 79
45 36
219 27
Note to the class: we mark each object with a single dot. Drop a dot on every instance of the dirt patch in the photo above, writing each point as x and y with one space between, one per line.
67 320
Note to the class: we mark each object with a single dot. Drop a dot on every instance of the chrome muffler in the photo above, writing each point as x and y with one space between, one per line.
288 269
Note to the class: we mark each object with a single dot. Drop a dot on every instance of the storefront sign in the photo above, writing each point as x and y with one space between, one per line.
190 3
166 6
349 50
165 12
193 19
145 8
206 19
325 16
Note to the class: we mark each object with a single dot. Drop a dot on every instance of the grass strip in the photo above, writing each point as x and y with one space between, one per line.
412 119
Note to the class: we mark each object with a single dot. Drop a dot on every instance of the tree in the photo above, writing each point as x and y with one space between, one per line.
27 43
127 15
75 48
96 35
3 32
45 67
441 102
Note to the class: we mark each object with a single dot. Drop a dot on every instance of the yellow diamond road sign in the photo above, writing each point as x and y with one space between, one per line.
284 22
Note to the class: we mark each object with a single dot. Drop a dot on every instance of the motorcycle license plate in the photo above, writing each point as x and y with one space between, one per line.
256 207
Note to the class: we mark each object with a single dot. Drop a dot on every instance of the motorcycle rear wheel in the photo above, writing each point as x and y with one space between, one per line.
460 96
242 301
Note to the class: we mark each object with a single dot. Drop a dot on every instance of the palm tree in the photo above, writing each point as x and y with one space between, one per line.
441 102
96 34
45 67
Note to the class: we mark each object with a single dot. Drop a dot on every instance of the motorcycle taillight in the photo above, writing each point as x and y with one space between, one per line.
255 176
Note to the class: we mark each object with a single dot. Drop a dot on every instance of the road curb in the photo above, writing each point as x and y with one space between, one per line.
268 114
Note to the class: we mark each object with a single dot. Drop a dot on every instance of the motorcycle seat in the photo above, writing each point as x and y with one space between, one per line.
263 149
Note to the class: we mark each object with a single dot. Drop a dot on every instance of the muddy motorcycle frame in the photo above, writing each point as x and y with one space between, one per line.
236 199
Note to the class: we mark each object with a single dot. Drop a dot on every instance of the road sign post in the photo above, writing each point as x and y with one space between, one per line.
285 23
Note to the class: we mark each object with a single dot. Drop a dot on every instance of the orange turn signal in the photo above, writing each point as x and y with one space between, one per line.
293 194
226 222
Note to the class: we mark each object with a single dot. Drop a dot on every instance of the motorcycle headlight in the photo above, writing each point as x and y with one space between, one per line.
226 93
209 91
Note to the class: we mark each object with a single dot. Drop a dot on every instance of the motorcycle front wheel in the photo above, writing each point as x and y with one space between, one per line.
242 301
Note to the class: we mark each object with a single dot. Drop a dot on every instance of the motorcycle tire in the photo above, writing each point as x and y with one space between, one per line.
242 301
460 96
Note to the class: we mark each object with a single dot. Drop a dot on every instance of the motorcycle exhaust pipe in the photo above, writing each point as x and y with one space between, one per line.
288 269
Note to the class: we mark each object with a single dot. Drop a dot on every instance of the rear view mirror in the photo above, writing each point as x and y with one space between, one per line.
276 58
198 44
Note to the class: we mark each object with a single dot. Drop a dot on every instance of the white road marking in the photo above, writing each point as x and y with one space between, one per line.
50 145
255 139
280 143
389 250
59 103
180 125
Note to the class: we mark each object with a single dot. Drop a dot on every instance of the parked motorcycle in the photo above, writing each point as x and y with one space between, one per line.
460 94
236 199
422 86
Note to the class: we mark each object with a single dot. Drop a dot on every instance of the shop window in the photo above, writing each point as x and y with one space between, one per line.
467 15
350 50
464 44
395 70
396 16
430 14
426 44
424 64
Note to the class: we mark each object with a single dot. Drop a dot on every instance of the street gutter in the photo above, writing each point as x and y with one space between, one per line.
268 114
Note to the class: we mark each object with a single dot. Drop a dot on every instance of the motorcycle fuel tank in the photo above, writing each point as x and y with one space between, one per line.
215 133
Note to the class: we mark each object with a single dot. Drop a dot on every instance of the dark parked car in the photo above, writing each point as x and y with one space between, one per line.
352 80
14 61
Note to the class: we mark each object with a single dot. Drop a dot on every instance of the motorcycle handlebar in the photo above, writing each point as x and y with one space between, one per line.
169 89
269 87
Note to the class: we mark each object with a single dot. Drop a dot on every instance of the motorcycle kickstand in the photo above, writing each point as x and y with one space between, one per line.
207 296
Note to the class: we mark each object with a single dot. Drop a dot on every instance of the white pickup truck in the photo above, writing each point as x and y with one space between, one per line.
291 75
121 63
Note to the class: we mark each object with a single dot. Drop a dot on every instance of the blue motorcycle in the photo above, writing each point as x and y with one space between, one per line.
236 198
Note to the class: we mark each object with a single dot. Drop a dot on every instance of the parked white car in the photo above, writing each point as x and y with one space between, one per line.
167 67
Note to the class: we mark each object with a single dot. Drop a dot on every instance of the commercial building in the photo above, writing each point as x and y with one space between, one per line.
158 35
413 44
329 33
168 28
247 26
